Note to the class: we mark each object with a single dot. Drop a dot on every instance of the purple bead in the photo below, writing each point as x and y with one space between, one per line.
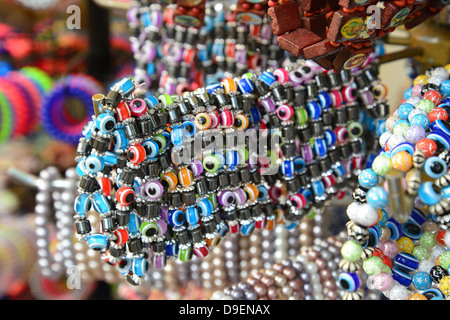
141 78
159 261
148 52
176 53
133 15
164 212
240 196
414 134
307 153
162 226
157 18
196 167
367 98
268 105
226 198
347 164
241 56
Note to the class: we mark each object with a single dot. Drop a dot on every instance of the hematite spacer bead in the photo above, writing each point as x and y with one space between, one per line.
188 197
213 183
244 174
116 252
224 180
134 245
122 218
234 178
83 226
108 224
113 98
201 186
293 185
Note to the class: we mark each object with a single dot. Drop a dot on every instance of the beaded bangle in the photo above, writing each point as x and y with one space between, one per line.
398 220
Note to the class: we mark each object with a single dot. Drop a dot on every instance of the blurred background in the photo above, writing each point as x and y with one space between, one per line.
41 54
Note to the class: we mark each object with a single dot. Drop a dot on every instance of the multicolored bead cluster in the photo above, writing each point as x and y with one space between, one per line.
400 214
161 196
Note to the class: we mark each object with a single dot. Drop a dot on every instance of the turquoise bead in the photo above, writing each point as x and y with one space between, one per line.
428 195
377 197
368 178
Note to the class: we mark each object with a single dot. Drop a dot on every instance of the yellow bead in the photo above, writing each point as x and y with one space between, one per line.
444 285
448 68
422 79
405 244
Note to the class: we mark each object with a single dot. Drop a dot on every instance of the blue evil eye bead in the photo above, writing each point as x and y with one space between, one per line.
140 266
396 229
441 137
445 88
232 159
125 266
255 115
120 140
307 193
404 109
417 217
406 261
151 100
213 87
101 203
445 193
368 178
151 70
383 219
421 281
125 85
105 122
247 227
330 137
325 100
349 281
81 168
314 110
318 188
377 197
435 167
205 207
267 77
287 168
177 136
110 158
245 85
263 192
442 126
402 277
374 235
176 218
82 205
420 120
98 241
427 194
87 129
134 224
404 146
320 147
192 215
188 128
338 170
411 230
299 165
433 294
171 248
151 149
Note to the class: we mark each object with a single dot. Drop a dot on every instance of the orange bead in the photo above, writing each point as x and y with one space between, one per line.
417 296
402 161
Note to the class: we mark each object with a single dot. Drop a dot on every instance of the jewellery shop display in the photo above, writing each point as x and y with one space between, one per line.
398 228
21 95
158 200
339 34
182 45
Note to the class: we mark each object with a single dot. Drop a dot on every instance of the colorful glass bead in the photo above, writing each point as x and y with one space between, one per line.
444 260
349 281
351 251
368 178
414 134
405 244
373 265
363 214
402 161
417 296
383 281
381 165
426 105
421 280
377 197
402 277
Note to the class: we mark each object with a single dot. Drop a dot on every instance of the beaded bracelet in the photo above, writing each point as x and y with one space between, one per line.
398 220
156 211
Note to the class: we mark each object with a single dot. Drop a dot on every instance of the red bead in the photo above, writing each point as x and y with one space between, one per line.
246 6
434 96
378 252
136 153
440 236
428 146
106 185
386 261
121 236
438 113
125 195
123 111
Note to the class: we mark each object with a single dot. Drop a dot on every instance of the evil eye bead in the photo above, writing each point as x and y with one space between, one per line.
368 179
98 242
165 99
101 203
202 121
125 195
105 122
349 281
325 100
439 137
307 72
245 85
211 163
215 119
417 217
134 224
241 122
161 141
402 277
136 154
314 110
140 266
252 192
205 208
380 91
177 136
94 163
192 215
267 77
226 118
229 85
263 193
151 149
138 107
152 190
349 94
396 229
121 236
106 185
188 128
330 137
176 218
377 197
427 193
355 129
82 204
411 230
281 75
125 266
301 116
298 200
120 140
123 112
232 158
435 167
185 177
285 112
287 168
226 198
320 147
299 165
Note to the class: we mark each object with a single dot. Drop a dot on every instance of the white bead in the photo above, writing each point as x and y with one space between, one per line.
398 292
440 72
437 80
436 252
414 100
395 140
311 267
362 214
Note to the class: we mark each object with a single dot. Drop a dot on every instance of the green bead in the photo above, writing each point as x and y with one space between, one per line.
427 240
355 129
212 197
373 265
386 269
165 99
185 254
300 116
444 260
401 128
421 253
351 251
381 165
426 105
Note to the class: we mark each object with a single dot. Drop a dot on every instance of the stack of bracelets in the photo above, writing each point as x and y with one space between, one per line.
183 45
399 219
146 165
60 121
21 96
